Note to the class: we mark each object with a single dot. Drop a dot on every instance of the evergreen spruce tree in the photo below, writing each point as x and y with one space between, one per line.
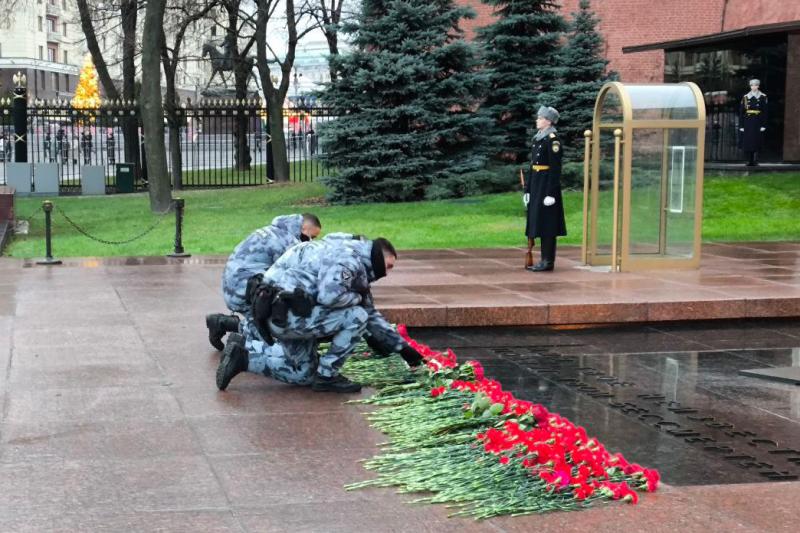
583 73
405 99
520 51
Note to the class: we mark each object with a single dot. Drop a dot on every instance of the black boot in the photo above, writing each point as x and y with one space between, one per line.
548 247
334 384
234 361
218 325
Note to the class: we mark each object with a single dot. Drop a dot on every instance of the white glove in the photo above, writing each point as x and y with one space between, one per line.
549 200
763 129
526 198
741 129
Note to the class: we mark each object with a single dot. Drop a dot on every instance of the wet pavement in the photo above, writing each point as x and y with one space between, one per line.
111 421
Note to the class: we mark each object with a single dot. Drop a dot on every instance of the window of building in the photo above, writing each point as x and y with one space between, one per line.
41 24
55 82
52 24
64 29
52 52
66 57
41 52
63 3
66 82
41 79
214 31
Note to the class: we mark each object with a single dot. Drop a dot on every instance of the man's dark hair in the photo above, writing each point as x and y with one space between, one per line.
385 246
312 219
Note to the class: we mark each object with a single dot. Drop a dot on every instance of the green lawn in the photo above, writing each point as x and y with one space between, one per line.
736 209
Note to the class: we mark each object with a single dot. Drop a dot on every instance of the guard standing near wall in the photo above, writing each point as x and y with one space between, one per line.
543 190
753 122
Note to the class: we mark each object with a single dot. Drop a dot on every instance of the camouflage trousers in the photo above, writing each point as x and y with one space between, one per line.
294 358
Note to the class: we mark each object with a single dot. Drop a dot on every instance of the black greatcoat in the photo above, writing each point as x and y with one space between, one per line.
752 117
544 221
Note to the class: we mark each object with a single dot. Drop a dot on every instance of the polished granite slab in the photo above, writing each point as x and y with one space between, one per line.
111 420
489 287
670 396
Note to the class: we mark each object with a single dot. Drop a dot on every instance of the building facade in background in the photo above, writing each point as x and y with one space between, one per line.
43 39
718 44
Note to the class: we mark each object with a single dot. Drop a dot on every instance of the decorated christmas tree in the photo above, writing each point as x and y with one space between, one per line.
406 98
583 73
87 92
520 50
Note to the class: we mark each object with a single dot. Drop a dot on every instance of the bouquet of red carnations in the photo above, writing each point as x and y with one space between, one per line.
460 437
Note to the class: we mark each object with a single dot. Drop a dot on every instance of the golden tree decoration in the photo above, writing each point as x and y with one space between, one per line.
87 92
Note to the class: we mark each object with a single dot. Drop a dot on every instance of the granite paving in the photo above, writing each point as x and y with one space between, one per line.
110 419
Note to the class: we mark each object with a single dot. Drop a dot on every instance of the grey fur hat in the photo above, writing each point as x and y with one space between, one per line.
755 82
549 113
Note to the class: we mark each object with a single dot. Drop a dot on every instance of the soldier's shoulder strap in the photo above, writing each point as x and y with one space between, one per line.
552 135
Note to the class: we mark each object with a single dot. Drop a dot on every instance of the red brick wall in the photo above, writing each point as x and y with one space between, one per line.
743 13
484 17
634 22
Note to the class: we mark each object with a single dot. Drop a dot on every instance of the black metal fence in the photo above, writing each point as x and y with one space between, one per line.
220 143
722 132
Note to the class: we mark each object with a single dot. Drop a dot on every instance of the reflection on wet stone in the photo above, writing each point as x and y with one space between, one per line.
688 414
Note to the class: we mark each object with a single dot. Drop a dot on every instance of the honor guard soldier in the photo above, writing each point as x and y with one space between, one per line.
543 190
753 122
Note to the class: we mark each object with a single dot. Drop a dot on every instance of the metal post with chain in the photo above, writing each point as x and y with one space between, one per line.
47 206
179 252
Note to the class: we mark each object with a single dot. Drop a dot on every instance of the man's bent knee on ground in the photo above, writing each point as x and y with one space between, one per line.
317 290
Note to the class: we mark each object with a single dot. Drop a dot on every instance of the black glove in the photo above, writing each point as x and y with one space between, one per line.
262 310
252 284
379 349
411 356
301 303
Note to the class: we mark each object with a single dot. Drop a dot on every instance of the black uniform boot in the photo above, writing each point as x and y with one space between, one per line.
334 384
218 325
548 246
234 361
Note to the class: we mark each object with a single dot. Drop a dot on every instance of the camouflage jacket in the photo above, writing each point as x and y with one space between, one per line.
336 272
260 250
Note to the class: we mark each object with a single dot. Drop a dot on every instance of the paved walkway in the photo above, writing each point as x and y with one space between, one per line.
490 287
111 420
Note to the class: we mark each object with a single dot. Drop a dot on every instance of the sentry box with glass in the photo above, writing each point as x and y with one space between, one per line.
643 177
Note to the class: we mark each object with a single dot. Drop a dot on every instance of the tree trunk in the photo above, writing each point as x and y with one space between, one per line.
333 48
280 160
171 112
152 112
94 49
241 155
129 11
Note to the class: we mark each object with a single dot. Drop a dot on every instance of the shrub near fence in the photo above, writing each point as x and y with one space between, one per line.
71 138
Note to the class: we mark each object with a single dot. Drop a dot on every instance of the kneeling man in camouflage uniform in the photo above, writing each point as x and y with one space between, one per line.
252 257
315 291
